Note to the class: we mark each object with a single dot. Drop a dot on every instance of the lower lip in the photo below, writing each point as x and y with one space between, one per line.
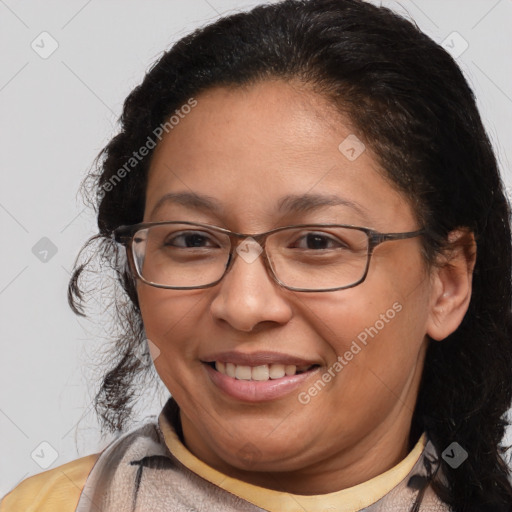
257 391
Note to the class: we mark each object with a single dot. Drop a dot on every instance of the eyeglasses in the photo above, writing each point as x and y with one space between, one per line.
185 255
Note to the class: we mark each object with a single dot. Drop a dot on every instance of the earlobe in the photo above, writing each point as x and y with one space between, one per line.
452 285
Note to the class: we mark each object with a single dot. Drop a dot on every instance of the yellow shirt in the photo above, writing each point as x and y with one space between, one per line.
58 489
55 490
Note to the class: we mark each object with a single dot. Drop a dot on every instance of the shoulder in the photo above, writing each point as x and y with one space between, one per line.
55 490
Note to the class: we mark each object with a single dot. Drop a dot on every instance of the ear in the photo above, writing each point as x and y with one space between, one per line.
451 284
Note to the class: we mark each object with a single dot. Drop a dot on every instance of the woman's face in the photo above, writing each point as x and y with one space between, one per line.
247 149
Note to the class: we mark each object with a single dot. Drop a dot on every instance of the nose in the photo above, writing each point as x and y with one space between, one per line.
247 295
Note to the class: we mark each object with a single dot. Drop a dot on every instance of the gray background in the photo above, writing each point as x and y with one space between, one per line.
56 114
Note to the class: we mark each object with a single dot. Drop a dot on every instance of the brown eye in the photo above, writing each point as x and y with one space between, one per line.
320 241
188 239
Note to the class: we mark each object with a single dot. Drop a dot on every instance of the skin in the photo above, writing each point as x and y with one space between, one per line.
247 147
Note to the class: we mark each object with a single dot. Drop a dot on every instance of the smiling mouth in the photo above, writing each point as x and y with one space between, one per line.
261 372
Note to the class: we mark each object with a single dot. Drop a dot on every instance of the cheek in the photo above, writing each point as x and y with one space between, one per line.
169 315
379 349
170 321
377 315
378 329
370 330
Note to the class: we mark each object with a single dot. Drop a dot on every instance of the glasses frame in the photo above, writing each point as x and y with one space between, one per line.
124 235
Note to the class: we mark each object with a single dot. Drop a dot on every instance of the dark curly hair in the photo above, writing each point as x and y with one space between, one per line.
410 103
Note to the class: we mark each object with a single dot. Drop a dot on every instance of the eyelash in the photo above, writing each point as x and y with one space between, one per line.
198 233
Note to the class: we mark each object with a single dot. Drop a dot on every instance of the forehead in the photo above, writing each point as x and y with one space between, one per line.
249 147
274 114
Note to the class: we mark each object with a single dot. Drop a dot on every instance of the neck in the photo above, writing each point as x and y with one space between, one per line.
370 457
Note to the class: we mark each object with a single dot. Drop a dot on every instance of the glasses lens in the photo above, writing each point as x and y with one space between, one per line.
180 254
317 258
310 258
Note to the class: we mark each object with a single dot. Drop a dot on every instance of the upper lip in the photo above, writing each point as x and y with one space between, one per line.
257 358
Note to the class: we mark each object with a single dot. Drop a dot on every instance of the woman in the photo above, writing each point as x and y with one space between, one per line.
306 216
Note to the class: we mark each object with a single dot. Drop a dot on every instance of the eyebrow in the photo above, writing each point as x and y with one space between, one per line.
291 203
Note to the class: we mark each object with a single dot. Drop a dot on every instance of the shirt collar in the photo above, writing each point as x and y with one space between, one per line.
347 500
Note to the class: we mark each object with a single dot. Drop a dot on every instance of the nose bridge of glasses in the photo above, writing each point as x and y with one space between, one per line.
239 238
249 248
243 241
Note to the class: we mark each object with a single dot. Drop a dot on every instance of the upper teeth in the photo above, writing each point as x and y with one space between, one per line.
262 372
